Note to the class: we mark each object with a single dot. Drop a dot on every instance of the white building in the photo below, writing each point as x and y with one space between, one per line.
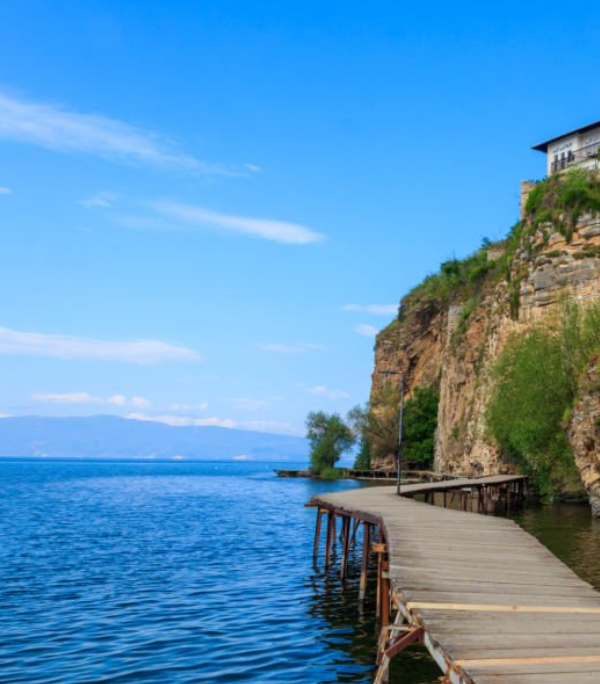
577 148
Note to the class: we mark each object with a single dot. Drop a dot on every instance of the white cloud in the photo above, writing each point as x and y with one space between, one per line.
57 128
201 406
269 426
101 200
215 421
249 404
140 402
366 330
4 415
373 309
182 421
141 352
5 191
302 348
242 457
65 398
323 391
86 398
267 229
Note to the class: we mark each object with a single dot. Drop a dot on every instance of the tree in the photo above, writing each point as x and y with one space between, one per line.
329 438
376 425
420 424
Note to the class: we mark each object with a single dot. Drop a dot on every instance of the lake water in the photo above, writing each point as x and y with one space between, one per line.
150 572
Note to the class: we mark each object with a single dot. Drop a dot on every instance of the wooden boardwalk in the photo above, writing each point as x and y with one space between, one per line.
491 604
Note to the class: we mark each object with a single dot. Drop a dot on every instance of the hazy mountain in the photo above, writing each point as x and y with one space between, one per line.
113 437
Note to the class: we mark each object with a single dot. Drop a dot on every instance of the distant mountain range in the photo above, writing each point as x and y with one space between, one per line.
110 437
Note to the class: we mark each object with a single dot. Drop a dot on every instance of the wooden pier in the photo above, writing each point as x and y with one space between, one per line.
491 604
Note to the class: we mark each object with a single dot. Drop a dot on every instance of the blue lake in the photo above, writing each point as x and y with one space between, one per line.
151 572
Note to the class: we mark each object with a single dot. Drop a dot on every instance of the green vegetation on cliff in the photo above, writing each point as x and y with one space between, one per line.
562 199
536 382
420 424
457 279
557 202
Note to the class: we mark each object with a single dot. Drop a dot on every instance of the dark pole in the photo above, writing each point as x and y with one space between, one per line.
400 426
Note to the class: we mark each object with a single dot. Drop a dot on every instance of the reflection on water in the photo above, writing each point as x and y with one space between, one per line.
570 533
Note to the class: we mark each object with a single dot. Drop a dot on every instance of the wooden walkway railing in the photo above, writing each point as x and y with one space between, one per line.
491 604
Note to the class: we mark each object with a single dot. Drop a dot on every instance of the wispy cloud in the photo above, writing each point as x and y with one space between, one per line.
270 426
183 408
5 191
58 128
323 391
366 330
141 352
101 200
302 348
86 398
215 421
182 421
373 309
267 229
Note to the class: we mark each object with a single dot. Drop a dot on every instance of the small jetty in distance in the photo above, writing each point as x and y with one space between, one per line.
409 474
491 604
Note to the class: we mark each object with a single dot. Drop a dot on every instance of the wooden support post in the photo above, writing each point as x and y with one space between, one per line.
317 536
356 524
385 593
330 535
366 552
345 546
380 550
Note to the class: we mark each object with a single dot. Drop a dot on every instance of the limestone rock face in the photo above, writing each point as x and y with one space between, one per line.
413 346
584 435
429 348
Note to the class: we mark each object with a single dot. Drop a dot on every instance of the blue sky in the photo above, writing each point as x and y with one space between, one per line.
207 209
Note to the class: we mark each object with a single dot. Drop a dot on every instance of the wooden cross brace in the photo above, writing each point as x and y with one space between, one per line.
410 634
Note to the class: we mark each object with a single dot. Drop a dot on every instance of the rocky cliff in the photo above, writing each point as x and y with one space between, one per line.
454 340
584 435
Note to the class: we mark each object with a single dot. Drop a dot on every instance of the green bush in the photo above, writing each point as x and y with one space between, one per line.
536 381
457 278
420 424
562 199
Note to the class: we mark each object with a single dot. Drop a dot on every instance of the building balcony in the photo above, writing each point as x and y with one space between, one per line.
574 157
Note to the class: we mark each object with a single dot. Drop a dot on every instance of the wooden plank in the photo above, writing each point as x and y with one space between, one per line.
500 608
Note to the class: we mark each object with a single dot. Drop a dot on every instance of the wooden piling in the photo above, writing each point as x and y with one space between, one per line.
366 553
317 536
330 536
345 546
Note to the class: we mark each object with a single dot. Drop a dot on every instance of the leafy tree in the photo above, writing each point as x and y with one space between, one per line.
420 424
363 458
376 425
329 438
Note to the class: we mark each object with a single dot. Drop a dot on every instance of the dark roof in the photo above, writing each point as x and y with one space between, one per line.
543 147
